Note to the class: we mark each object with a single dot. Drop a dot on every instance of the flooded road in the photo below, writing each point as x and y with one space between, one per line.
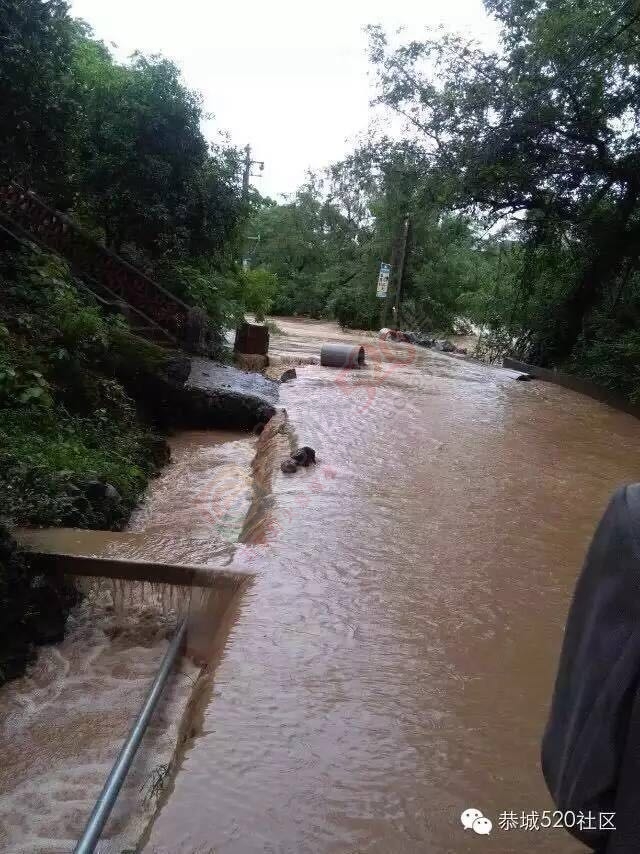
393 661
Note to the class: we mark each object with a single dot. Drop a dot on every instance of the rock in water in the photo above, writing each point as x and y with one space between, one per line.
111 493
524 378
289 466
265 413
96 490
304 456
288 375
160 451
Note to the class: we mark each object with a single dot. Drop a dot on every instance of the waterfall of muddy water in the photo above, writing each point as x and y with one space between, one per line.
392 663
62 725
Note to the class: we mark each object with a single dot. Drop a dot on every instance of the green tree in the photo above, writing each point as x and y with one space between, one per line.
547 131
148 177
327 243
291 243
36 109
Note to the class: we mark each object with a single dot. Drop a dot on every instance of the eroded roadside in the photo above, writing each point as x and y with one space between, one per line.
393 660
64 721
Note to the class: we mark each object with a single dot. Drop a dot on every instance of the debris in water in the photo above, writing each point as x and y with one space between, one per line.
304 456
346 356
288 375
387 334
265 413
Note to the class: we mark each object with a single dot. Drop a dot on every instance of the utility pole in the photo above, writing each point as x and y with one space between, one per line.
398 263
403 260
246 178
246 175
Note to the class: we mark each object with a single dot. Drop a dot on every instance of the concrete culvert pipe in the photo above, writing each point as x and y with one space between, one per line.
342 356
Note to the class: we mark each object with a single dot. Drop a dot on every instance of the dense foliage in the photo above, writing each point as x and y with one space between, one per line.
325 245
519 171
120 148
542 139
73 450
65 422
37 112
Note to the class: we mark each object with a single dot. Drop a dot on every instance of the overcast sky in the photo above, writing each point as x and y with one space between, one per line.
286 76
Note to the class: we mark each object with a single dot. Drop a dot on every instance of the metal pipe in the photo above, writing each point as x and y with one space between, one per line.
111 788
342 355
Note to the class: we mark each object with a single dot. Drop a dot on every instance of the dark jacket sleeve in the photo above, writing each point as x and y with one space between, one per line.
625 839
589 725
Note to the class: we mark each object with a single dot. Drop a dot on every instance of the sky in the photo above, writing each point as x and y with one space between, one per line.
289 78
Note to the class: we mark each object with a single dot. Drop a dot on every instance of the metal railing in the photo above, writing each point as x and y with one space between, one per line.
117 775
87 258
109 300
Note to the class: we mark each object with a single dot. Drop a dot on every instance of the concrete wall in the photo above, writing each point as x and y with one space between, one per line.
575 384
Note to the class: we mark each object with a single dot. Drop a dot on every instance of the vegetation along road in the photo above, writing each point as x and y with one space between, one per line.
393 659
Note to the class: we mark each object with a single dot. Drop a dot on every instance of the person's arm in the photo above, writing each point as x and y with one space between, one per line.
625 839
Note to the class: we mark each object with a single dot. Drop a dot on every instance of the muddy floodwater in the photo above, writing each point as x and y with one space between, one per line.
391 663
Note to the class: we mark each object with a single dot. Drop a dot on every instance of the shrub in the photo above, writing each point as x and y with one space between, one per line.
260 288
203 286
356 309
64 420
611 358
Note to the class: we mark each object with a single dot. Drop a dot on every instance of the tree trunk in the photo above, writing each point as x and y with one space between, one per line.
606 262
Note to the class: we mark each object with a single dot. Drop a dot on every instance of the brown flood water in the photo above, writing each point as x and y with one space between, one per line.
391 664
61 726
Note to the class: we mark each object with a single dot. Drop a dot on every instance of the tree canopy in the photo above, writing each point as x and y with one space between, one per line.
326 243
518 169
120 147
544 132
